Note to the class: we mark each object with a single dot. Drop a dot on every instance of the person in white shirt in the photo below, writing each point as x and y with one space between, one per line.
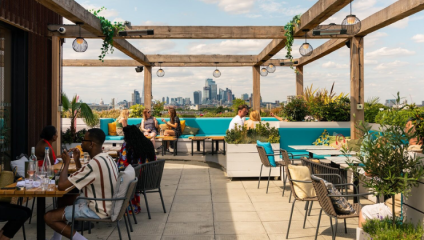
243 110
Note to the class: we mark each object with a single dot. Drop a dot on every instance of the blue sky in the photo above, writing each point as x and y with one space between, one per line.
393 55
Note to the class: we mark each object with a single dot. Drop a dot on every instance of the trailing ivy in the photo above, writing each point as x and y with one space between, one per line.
109 30
289 32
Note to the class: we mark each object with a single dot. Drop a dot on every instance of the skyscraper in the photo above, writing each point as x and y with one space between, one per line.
245 96
212 88
197 97
221 95
229 96
163 99
167 100
206 96
136 97
187 101
112 103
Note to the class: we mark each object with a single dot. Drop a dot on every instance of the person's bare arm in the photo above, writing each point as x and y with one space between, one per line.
277 117
156 123
142 126
64 183
175 125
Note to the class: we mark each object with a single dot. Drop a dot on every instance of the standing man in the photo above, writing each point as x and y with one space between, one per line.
243 110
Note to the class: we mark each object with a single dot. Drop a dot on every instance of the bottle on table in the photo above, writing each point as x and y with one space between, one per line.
33 164
46 170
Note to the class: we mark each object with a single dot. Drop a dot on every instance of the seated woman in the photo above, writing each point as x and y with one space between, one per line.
48 136
380 210
174 124
149 125
136 149
254 117
15 216
122 121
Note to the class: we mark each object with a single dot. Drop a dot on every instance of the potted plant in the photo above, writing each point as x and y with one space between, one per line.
296 110
383 156
381 229
242 158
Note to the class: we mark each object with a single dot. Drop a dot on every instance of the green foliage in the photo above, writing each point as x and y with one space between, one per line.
338 110
289 33
157 108
383 229
296 110
113 113
136 111
262 132
372 109
109 31
93 121
386 117
78 109
68 137
417 121
236 103
385 159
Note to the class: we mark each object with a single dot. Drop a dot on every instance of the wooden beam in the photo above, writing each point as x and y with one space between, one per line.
323 50
273 48
318 13
78 14
148 87
356 84
56 92
201 58
299 81
256 88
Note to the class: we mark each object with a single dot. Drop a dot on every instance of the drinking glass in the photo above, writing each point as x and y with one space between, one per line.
31 170
43 180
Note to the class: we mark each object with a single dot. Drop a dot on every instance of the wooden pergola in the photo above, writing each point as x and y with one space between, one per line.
318 13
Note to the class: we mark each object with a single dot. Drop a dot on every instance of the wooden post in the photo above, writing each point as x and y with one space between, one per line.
256 88
148 87
56 121
299 81
356 84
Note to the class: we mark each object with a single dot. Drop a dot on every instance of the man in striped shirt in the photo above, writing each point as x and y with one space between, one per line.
96 179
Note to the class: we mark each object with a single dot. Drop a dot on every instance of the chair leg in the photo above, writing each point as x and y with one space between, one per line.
82 229
306 205
335 232
89 228
268 180
290 197
32 210
132 210
332 230
23 230
285 180
319 220
161 198
26 204
291 214
310 208
128 217
260 174
345 226
147 205
126 225
306 213
119 230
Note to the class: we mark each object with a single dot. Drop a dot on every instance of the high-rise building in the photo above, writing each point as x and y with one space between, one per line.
290 98
112 103
390 102
221 95
163 99
135 97
245 96
229 96
197 97
187 101
277 102
212 88
167 100
206 95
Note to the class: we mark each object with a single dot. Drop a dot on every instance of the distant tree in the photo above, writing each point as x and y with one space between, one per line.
158 108
136 111
236 103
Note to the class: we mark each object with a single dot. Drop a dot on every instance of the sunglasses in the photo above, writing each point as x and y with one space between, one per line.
148 112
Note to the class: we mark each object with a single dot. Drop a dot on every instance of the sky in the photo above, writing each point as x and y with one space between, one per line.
393 55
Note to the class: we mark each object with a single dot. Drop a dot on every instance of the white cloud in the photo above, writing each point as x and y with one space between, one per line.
118 20
401 23
385 51
107 13
281 7
372 38
419 38
155 46
135 8
391 65
153 23
229 47
253 15
331 64
233 6
66 21
367 61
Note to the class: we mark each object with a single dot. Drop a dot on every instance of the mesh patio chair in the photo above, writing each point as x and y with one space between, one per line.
306 200
122 211
328 208
137 169
149 181
265 162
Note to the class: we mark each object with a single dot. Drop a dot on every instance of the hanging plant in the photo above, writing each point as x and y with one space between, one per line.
289 33
109 30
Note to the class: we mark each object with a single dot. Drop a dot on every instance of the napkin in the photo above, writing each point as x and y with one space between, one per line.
20 184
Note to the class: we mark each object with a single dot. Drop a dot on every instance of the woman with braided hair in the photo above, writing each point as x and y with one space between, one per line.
136 149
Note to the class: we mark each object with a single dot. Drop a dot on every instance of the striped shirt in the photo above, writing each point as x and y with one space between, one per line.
97 179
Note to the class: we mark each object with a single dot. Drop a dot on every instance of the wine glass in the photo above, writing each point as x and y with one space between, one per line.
31 170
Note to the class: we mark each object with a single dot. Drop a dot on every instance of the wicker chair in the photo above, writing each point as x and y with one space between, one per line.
326 204
306 200
265 162
330 174
287 162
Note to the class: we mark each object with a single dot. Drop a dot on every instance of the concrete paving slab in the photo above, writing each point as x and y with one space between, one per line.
191 217
233 207
192 207
236 217
190 228
242 237
237 228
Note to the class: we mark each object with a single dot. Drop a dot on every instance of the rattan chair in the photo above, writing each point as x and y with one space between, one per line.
149 181
306 200
265 162
328 208
121 214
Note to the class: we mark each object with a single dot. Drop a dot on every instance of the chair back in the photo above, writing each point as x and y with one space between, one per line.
286 157
151 175
322 195
318 168
128 197
290 182
137 170
262 156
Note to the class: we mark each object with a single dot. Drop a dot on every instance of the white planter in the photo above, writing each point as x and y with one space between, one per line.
361 235
242 160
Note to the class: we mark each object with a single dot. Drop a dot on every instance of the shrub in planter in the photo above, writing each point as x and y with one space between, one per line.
383 229
296 110
338 110
68 138
262 132
372 108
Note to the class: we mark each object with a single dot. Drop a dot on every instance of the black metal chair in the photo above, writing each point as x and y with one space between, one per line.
265 162
149 181
137 170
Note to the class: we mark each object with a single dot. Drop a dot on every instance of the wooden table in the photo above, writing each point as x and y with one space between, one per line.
198 140
41 202
310 147
166 139
333 152
72 167
217 140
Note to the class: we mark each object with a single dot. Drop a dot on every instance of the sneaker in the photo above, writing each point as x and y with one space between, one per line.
159 148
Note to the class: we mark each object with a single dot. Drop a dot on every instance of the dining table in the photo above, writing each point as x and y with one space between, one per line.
41 195
332 152
310 147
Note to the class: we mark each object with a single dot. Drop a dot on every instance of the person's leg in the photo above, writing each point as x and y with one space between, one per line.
16 216
361 219
153 135
57 221
169 133
68 199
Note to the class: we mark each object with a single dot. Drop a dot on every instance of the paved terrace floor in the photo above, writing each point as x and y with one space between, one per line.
202 203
